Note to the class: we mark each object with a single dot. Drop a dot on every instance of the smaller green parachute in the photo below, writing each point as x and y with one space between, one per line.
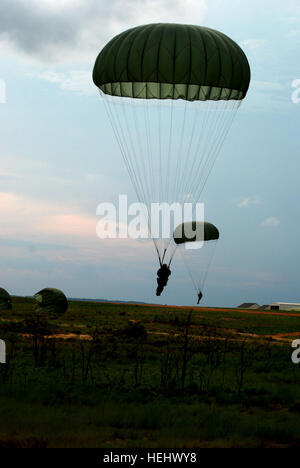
195 231
5 300
51 301
196 241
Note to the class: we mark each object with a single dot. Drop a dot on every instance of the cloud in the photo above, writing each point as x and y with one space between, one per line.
266 85
75 30
57 231
270 222
292 19
246 201
267 96
294 33
245 277
252 44
22 216
55 244
78 81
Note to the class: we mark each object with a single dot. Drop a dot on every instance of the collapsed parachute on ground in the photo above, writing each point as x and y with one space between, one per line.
5 300
171 92
51 301
197 241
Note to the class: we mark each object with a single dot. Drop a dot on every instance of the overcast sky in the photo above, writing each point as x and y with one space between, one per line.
59 159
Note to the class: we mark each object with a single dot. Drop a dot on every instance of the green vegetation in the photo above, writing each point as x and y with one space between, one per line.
123 375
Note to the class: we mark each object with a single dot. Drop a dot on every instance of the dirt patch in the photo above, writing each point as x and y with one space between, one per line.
284 337
64 336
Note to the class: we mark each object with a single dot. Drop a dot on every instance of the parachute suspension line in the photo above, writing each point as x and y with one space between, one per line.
142 167
169 177
178 162
164 168
139 192
209 144
145 191
156 245
151 175
141 121
163 257
192 265
203 134
143 198
215 125
214 119
169 153
202 149
147 171
169 148
157 251
214 245
222 139
190 272
132 151
189 147
119 139
160 152
124 138
202 143
174 250
119 132
225 127
149 149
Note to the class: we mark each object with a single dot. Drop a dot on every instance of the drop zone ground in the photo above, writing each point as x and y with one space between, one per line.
126 375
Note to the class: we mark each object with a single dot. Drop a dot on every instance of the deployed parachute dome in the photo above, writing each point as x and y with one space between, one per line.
171 92
195 231
5 300
197 258
173 61
51 300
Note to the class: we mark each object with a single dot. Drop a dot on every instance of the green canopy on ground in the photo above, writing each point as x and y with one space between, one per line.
51 300
173 61
5 300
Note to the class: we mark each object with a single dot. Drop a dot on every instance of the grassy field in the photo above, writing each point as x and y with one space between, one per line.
126 375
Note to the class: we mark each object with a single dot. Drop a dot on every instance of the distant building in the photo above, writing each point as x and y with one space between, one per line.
264 307
248 305
284 306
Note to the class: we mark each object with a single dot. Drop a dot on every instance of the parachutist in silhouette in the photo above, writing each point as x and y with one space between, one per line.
200 295
162 278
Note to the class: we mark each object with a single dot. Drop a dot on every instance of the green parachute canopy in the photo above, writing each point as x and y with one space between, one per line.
52 301
171 92
196 241
5 300
173 61
203 230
